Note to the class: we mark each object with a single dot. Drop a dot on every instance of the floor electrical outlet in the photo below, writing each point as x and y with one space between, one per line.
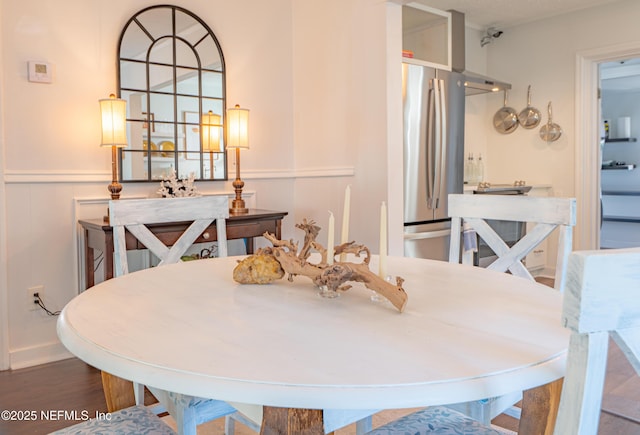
32 299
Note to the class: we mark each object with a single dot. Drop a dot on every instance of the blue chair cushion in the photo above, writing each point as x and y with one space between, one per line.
136 420
434 420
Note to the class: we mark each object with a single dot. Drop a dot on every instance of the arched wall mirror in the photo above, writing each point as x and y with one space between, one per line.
171 73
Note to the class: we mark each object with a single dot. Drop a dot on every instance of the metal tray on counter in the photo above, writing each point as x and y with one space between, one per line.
502 189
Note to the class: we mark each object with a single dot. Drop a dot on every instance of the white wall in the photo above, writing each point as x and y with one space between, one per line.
4 301
312 73
543 54
339 111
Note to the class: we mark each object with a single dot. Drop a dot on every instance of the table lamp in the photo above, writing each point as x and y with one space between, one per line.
211 136
114 135
238 137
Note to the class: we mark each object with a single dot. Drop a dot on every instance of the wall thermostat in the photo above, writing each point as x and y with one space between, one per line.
40 72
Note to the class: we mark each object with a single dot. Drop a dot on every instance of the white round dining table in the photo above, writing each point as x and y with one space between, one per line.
466 333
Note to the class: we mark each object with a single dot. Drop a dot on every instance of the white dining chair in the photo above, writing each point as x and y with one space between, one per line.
134 420
133 215
601 300
547 213
471 213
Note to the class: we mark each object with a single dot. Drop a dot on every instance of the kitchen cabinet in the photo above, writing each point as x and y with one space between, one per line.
621 139
620 185
426 36
536 261
618 148
621 219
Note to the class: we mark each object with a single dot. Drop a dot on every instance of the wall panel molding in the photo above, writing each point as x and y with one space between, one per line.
44 176
34 177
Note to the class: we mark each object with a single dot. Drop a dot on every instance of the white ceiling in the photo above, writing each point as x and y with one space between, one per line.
502 14
622 76
481 14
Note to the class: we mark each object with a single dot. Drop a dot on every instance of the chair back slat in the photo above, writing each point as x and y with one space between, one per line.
547 213
628 340
161 210
602 299
510 258
135 215
581 397
548 210
603 290
186 240
565 246
148 239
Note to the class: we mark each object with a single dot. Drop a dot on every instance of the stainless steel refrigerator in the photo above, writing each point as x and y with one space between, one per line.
433 103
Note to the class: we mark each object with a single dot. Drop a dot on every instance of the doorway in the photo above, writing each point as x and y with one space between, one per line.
587 132
620 90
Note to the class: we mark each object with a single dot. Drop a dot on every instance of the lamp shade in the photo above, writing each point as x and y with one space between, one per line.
238 128
211 132
114 121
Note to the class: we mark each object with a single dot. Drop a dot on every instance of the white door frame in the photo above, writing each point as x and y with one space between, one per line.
4 293
587 131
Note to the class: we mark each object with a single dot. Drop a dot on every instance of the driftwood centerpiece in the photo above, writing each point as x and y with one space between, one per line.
333 276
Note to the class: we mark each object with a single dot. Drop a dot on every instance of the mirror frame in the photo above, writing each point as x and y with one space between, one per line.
176 127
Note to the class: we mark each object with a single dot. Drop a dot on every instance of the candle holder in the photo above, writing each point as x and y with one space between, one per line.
328 293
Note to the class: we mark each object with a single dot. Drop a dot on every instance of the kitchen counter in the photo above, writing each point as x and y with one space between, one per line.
620 219
469 188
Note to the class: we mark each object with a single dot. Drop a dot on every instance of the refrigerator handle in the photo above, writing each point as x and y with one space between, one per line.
427 235
440 142
431 134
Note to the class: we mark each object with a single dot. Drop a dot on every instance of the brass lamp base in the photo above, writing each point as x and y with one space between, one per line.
114 188
237 205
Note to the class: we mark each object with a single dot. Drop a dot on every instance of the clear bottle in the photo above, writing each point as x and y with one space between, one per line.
473 170
480 170
468 170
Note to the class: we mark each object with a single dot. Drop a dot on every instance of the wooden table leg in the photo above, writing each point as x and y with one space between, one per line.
291 421
89 259
108 256
118 392
540 409
249 245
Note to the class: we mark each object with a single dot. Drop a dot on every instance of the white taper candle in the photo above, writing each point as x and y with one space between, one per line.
345 219
330 237
382 272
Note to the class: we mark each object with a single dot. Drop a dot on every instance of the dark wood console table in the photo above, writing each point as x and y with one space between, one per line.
98 235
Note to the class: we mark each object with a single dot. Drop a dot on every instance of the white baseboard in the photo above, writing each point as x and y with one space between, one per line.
36 355
545 272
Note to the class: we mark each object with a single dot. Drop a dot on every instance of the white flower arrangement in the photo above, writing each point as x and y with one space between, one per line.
173 187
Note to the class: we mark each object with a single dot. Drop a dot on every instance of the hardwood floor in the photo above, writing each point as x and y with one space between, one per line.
72 386
68 385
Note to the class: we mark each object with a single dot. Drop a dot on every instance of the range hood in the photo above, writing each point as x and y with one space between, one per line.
474 83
